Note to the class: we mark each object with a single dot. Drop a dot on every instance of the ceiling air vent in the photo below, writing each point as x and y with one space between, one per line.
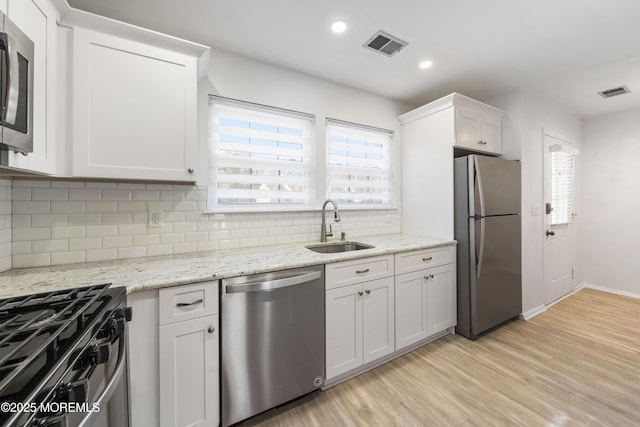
621 90
384 43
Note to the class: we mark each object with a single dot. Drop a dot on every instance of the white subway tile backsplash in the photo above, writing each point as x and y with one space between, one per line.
21 248
102 230
85 243
145 195
102 207
50 194
57 222
133 252
182 248
85 194
146 240
116 218
67 257
131 229
157 250
30 207
20 234
132 206
68 206
101 254
68 232
116 242
85 219
48 220
47 246
22 220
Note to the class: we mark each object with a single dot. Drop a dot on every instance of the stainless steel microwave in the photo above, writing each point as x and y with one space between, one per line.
16 88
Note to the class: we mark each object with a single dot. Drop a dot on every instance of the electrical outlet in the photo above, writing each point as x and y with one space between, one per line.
155 219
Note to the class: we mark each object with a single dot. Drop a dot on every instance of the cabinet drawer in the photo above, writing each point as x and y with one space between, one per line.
417 260
359 270
187 302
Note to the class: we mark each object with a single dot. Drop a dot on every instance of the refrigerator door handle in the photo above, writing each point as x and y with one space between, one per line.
480 251
478 183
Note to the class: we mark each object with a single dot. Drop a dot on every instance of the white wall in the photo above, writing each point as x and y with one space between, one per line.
69 221
612 201
528 114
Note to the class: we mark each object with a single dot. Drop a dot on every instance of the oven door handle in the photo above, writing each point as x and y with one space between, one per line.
108 390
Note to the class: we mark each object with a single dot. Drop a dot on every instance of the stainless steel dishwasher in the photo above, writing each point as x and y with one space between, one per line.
272 340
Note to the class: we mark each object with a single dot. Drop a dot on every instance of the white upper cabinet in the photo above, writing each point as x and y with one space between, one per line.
38 20
478 126
134 109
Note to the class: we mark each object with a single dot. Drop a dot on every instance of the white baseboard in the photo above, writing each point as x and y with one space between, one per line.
530 314
610 290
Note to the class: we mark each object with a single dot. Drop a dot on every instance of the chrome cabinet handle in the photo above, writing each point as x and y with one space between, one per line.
360 293
187 304
427 259
362 271
211 329
368 291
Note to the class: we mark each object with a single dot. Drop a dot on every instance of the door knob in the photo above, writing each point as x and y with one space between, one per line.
550 233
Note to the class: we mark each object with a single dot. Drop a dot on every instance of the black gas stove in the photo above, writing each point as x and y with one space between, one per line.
62 356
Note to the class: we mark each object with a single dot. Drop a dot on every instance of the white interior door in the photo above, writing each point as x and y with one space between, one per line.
559 190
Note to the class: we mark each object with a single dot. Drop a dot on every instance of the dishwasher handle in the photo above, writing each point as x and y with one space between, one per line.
268 285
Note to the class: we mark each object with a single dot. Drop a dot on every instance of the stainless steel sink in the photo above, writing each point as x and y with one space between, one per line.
330 248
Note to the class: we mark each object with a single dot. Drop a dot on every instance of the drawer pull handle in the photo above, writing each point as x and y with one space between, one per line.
368 291
482 142
430 276
362 271
360 293
211 329
187 304
427 259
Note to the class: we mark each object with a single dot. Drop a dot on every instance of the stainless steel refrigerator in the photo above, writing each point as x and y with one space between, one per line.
487 228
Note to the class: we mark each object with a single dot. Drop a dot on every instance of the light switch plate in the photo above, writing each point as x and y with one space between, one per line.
535 210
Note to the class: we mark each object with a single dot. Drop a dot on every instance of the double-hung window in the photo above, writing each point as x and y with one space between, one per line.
261 157
359 165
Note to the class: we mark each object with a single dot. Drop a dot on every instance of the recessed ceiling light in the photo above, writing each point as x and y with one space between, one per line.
425 64
339 26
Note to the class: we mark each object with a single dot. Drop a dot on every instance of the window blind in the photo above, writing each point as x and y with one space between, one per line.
359 168
261 156
562 187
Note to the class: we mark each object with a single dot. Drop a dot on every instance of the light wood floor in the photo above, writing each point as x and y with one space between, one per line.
577 364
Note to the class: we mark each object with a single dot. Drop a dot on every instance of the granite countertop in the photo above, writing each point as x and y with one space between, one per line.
138 274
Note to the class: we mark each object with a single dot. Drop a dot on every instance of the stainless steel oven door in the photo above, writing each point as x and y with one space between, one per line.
94 395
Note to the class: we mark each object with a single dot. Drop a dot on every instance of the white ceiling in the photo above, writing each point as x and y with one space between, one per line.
566 50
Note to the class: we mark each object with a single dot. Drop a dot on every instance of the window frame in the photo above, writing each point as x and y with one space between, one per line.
375 133
308 165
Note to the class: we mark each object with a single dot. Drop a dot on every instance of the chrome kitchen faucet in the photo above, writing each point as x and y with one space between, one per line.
336 218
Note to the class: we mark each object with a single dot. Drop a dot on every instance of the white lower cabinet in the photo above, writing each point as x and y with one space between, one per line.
359 319
425 298
189 355
189 373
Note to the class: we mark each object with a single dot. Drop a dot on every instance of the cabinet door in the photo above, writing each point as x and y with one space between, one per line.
479 130
134 109
378 319
344 329
189 394
37 19
441 298
411 308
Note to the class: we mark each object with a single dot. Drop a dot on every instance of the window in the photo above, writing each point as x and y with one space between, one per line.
262 157
359 168
562 176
